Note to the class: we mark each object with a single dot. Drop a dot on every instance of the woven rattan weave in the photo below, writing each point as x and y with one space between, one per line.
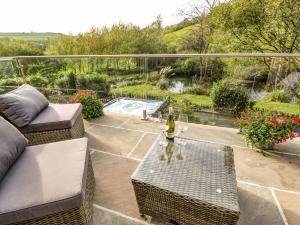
36 138
197 186
77 216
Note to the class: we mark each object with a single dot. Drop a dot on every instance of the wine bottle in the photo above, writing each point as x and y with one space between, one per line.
170 124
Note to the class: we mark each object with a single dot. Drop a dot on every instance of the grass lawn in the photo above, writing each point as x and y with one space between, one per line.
142 90
292 109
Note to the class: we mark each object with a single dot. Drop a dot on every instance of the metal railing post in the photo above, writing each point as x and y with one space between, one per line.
20 69
146 68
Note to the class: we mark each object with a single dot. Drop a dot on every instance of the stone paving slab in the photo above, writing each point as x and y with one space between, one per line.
290 204
113 184
274 170
111 119
257 206
137 123
113 140
143 146
292 146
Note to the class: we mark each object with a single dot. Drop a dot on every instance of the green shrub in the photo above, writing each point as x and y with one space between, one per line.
92 106
67 81
196 89
11 82
37 81
278 96
184 106
94 82
163 84
210 70
153 76
229 95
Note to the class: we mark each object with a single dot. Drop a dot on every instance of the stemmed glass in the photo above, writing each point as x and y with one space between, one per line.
163 144
182 127
183 123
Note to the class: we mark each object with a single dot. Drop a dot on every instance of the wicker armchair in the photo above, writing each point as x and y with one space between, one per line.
51 184
57 122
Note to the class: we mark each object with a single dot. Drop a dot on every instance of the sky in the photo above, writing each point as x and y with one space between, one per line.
74 16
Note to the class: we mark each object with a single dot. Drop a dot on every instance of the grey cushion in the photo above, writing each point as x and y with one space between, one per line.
54 117
46 179
22 105
12 144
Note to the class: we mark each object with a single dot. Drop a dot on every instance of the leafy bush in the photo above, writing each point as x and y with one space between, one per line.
196 89
37 81
263 129
153 76
184 106
229 95
11 82
278 96
166 72
163 84
92 106
94 82
209 70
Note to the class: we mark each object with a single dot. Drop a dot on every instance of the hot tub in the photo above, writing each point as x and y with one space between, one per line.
133 106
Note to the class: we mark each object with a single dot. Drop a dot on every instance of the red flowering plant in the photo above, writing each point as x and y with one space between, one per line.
263 129
92 106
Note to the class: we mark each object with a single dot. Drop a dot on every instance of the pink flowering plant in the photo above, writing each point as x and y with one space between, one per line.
92 106
263 129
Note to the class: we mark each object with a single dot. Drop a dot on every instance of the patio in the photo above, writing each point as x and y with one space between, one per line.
269 186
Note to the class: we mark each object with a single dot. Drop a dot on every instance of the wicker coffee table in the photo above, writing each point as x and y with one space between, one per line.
197 185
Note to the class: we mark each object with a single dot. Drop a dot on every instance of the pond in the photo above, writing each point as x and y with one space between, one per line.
255 90
179 84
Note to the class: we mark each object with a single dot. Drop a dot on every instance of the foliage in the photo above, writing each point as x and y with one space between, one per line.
174 38
166 72
119 39
278 96
262 26
12 47
163 84
262 129
37 80
196 89
11 82
229 95
92 106
184 106
94 82
205 70
153 76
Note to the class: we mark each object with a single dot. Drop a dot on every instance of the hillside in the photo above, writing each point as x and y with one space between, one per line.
173 38
31 37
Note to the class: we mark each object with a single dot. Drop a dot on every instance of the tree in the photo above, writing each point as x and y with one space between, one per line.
199 39
261 25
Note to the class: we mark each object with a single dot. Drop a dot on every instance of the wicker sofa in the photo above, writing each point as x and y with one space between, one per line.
40 121
49 184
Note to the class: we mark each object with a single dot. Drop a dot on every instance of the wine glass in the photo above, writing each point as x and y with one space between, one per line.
183 125
163 144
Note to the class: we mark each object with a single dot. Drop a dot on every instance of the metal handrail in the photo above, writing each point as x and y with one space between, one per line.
5 59
214 55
